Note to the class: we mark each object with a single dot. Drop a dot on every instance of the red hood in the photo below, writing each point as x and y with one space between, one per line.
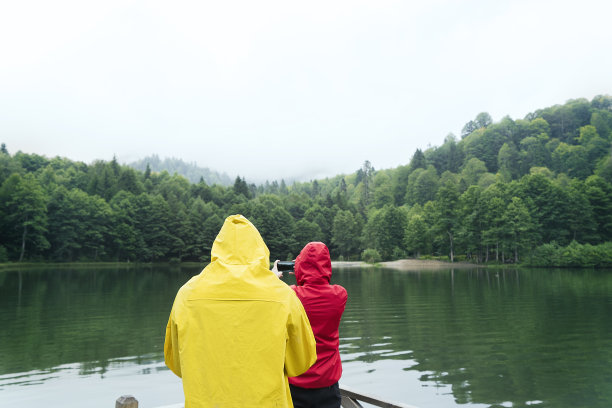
313 265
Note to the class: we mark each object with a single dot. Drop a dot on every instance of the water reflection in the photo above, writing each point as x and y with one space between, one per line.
54 317
481 338
495 337
86 369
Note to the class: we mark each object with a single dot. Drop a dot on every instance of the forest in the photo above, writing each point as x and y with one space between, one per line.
534 191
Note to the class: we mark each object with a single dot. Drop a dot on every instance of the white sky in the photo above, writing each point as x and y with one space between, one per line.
283 89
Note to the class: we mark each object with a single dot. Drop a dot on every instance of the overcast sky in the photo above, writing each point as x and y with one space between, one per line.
285 89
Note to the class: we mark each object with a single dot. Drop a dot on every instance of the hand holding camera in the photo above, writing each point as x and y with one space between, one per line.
283 266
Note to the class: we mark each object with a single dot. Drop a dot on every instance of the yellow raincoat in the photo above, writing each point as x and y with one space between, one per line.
236 332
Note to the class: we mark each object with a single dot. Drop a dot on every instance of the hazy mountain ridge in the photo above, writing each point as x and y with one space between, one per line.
191 171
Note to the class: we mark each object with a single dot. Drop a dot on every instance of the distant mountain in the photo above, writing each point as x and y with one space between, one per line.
190 171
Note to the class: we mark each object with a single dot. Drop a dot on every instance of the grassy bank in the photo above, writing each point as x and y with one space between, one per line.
92 265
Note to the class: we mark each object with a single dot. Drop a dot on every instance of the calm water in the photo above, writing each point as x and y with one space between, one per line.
470 338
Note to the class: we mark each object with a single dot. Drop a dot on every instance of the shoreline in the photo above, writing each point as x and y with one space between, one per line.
400 264
406 264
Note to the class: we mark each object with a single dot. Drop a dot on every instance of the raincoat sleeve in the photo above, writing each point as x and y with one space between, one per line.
301 351
171 346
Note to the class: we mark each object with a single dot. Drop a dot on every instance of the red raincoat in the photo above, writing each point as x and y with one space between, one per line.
324 304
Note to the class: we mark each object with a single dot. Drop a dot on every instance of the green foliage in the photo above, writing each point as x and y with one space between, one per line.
572 255
565 120
539 126
346 233
385 230
383 190
422 186
502 190
364 178
519 227
416 235
602 120
79 225
471 212
604 168
472 171
446 214
3 254
599 195
572 159
448 157
24 209
418 160
533 152
484 144
307 231
370 255
482 120
508 161
241 187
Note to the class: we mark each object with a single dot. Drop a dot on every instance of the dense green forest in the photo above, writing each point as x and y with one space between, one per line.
535 190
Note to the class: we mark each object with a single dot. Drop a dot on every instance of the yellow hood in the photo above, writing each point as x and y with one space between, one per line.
236 332
239 243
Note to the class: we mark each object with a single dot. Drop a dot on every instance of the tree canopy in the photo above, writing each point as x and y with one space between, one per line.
505 191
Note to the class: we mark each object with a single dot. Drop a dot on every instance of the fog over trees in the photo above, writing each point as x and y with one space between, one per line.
535 190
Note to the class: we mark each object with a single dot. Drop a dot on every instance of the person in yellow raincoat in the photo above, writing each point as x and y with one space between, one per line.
236 332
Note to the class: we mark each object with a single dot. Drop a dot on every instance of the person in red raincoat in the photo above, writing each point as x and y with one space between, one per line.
324 304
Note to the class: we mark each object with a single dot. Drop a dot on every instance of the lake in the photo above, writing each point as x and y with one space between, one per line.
75 337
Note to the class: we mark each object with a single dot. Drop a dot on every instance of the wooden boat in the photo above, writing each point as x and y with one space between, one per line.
350 399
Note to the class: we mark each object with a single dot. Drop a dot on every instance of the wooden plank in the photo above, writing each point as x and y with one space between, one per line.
370 399
350 399
349 403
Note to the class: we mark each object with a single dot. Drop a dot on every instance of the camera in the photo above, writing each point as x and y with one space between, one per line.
284 266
